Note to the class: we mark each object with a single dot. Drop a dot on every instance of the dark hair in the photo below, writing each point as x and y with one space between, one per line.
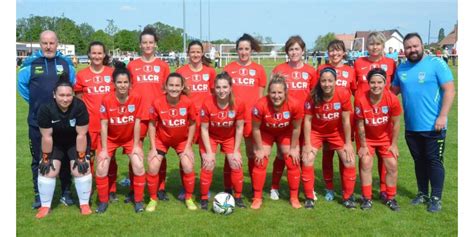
377 72
106 58
62 81
225 76
254 44
149 30
183 81
206 61
295 39
317 92
411 35
120 69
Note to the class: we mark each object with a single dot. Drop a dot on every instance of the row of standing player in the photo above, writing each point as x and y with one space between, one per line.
249 82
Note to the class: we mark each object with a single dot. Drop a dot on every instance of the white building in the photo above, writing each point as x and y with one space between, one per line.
24 48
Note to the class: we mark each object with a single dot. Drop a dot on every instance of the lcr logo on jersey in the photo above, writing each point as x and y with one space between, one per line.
296 75
131 108
147 68
182 111
337 106
107 79
205 77
72 122
231 114
305 75
385 109
243 71
384 67
345 74
156 69
252 72
286 115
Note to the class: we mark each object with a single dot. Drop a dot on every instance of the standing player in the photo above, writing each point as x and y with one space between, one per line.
93 83
172 124
148 73
276 119
249 81
377 112
120 114
375 59
63 126
327 119
222 124
345 79
300 78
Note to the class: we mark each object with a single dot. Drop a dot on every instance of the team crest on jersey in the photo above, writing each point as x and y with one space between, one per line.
327 107
421 77
255 111
59 68
385 109
102 109
172 112
121 109
131 108
243 71
196 77
372 66
231 114
205 77
376 110
107 79
345 74
147 68
307 105
296 75
221 115
156 69
305 75
403 76
277 116
182 111
357 110
72 122
97 79
384 67
252 72
337 106
286 115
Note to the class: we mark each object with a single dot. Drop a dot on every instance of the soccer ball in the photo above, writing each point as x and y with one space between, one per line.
223 203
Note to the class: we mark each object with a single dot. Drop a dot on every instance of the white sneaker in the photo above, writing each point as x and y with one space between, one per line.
274 194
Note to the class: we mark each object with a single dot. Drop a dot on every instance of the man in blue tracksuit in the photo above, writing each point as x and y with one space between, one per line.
36 79
427 88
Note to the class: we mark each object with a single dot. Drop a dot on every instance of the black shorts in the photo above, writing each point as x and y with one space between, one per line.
67 153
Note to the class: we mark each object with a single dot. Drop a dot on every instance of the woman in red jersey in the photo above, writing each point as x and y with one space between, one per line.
276 119
93 83
345 79
327 119
121 113
222 118
300 78
376 59
378 121
172 124
249 81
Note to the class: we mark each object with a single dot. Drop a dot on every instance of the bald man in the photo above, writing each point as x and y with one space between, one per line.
36 79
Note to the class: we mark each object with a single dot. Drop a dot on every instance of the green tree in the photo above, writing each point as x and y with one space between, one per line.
126 40
103 37
441 34
322 42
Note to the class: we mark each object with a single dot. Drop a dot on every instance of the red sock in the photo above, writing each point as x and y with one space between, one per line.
391 192
102 184
259 172
307 177
138 187
328 167
367 191
130 175
278 167
382 174
237 177
206 181
251 164
293 175
113 175
349 177
188 183
227 174
152 183
162 175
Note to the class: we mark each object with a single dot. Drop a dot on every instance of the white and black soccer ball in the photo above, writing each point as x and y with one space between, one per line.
223 203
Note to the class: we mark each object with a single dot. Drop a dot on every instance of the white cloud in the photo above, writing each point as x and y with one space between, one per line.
127 8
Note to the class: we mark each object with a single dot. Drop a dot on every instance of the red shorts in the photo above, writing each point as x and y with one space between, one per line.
248 124
143 128
335 140
227 145
95 140
164 146
112 146
382 150
282 139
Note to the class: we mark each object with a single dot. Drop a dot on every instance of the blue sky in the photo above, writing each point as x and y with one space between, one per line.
275 18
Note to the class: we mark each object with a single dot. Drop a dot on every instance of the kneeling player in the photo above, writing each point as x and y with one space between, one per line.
378 120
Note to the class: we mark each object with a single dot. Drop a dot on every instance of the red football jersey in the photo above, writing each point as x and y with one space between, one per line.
299 81
94 86
377 118
121 117
148 79
345 76
172 122
363 65
247 81
327 117
276 122
199 83
222 122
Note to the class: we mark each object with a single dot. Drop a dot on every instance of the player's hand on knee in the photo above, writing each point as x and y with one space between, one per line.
208 161
46 164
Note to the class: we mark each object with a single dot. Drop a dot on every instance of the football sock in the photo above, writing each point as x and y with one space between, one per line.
138 187
113 175
237 177
307 177
258 178
46 187
227 174
188 183
83 188
349 177
328 172
367 191
391 192
293 175
102 184
206 181
152 184
278 167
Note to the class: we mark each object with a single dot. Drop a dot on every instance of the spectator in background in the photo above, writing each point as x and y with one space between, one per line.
445 55
454 56
401 56
392 54
216 60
